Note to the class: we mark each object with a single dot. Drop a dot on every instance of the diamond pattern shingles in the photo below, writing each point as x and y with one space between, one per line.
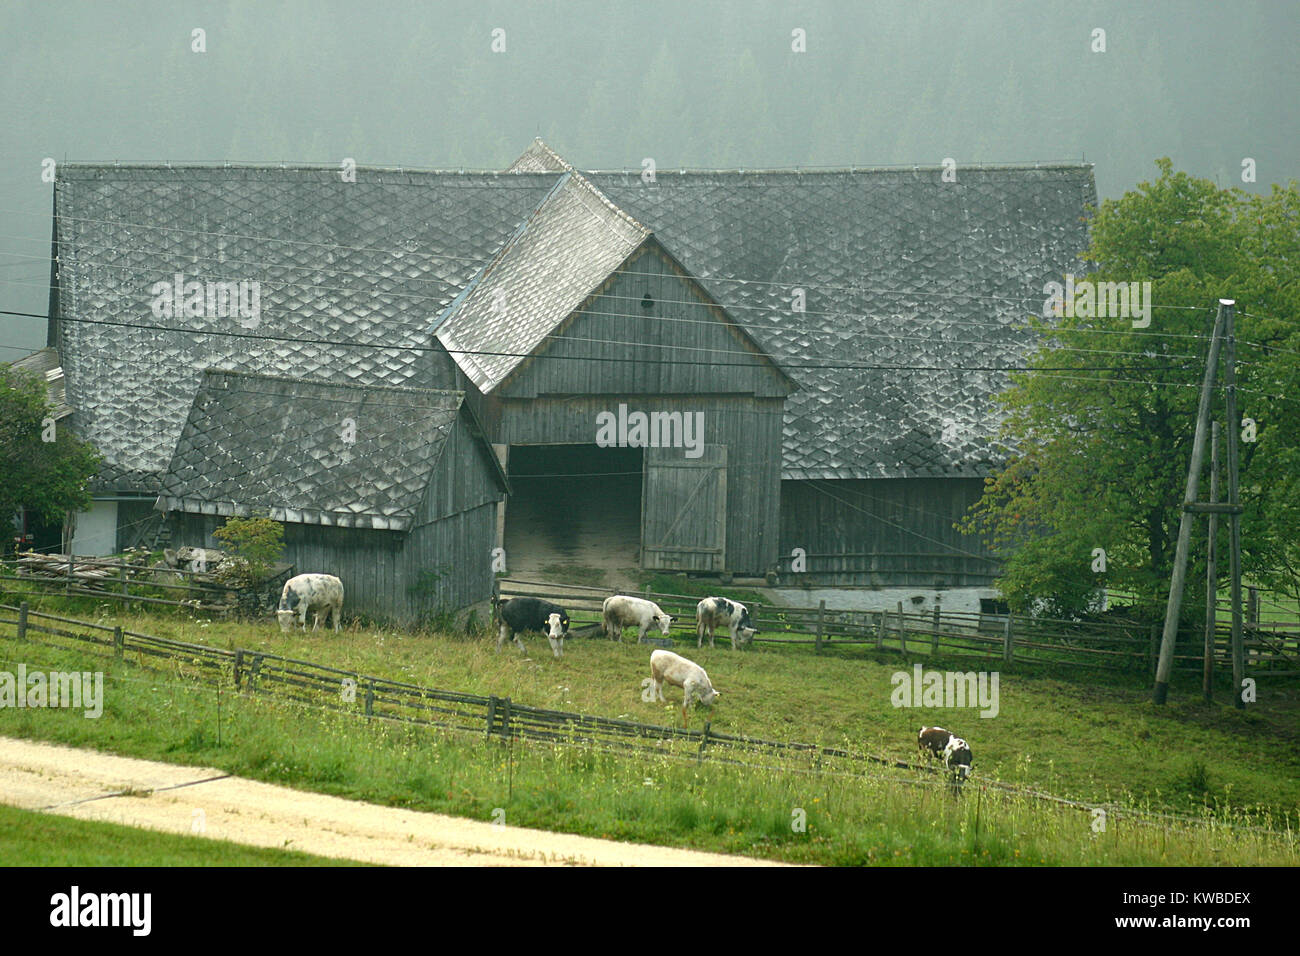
350 275
900 269
255 442
570 244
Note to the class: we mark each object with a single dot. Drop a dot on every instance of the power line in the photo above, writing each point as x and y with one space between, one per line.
581 358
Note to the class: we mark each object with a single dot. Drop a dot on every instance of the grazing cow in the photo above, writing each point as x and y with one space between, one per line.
533 614
621 611
320 594
665 666
715 611
941 744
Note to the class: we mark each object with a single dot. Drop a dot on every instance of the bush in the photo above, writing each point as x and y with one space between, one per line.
255 545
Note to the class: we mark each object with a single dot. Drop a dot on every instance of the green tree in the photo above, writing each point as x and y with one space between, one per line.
43 466
1102 426
256 544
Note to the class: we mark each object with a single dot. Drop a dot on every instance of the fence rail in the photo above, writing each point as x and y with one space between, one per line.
129 582
1002 638
256 672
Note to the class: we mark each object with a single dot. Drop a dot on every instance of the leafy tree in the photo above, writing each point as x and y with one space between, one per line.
255 543
1102 427
43 466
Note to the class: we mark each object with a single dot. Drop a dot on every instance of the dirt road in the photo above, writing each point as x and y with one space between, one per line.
186 800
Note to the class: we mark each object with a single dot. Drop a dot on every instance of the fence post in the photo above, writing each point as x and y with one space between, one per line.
821 617
902 631
1153 648
370 699
119 642
239 662
505 720
704 738
934 635
1252 605
22 621
492 713
1008 641
121 573
880 630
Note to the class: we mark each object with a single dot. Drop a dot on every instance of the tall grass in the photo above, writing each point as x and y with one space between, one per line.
885 817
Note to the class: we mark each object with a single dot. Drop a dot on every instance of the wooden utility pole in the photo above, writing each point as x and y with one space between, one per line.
1190 507
1211 573
1234 516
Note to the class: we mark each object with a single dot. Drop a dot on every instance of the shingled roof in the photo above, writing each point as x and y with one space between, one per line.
257 442
570 244
900 270
350 274
44 364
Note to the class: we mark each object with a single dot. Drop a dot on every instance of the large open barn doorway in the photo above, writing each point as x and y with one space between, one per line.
574 514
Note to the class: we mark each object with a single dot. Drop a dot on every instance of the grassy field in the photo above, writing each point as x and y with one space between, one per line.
776 809
28 838
1085 739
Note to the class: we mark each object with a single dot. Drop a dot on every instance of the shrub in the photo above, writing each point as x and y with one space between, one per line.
255 545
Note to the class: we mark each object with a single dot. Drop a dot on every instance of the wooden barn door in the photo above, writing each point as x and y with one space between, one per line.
684 510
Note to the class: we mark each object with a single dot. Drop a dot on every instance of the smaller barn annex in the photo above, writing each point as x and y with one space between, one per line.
393 490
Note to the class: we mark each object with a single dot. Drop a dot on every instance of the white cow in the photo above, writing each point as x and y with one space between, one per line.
621 611
320 594
667 667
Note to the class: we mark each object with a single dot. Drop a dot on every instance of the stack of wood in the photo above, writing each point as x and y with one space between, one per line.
85 574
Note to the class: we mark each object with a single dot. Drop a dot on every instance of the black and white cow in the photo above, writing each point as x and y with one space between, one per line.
620 611
715 612
943 745
533 614
320 594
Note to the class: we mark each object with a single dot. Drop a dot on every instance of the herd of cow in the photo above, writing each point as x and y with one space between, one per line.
322 596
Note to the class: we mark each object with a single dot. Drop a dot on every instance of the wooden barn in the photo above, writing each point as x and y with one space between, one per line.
786 373
584 320
392 490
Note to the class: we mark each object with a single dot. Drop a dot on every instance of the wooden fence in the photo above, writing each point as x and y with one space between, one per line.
367 697
997 639
123 580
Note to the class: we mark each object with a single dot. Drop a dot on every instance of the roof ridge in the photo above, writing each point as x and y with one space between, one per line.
591 187
539 142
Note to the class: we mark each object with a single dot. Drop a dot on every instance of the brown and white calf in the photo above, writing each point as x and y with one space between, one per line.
533 614
319 594
620 611
714 612
669 668
944 745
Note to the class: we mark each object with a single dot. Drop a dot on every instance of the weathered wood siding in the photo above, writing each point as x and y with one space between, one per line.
385 574
886 532
556 397
749 427
463 478
682 345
